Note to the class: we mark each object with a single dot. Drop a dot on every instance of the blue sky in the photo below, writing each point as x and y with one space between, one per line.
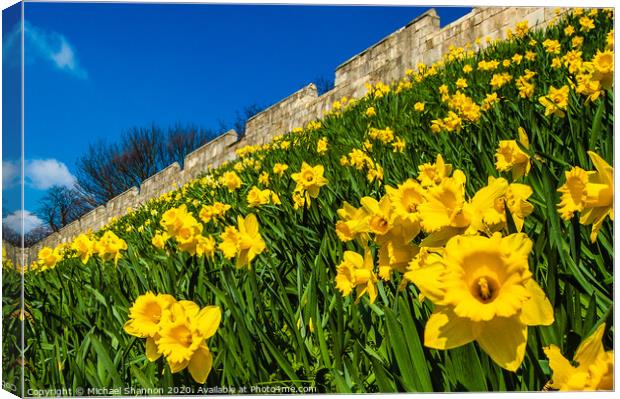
94 70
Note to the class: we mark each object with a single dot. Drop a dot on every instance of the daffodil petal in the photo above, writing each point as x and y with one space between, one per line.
445 330
440 237
372 291
200 364
561 367
504 340
537 310
251 224
428 280
604 169
209 320
152 353
175 367
591 347
131 329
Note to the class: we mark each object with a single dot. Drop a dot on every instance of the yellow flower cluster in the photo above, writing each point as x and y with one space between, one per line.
362 161
492 288
490 65
257 197
178 330
525 85
595 76
465 107
377 90
215 211
247 150
500 79
231 180
84 246
181 225
383 135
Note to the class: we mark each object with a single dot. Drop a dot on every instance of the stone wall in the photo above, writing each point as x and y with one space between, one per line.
420 41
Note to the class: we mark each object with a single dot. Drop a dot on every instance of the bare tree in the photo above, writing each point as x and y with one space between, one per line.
62 205
182 140
107 170
35 235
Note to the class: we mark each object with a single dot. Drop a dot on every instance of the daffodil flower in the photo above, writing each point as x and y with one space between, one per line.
592 368
483 291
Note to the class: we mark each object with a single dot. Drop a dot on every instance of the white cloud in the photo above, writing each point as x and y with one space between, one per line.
10 174
42 174
13 221
43 44
64 58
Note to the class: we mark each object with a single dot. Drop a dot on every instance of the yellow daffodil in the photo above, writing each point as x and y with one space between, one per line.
357 272
556 101
603 65
213 211
321 146
433 174
510 156
84 247
159 239
257 197
522 28
279 168
405 200
384 135
510 196
264 178
231 180
182 339
47 258
395 252
398 145
461 83
310 179
379 212
592 368
500 79
353 223
444 204
109 247
590 193
552 46
483 291
587 24
145 316
245 241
